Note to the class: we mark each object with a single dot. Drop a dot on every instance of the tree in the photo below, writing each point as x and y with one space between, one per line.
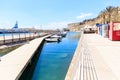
109 11
103 16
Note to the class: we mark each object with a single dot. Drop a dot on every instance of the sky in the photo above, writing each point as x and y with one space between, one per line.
49 14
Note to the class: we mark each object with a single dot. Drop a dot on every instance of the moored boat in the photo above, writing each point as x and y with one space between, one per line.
56 36
63 34
52 39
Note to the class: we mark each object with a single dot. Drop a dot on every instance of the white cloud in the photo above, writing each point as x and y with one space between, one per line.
53 25
83 15
6 25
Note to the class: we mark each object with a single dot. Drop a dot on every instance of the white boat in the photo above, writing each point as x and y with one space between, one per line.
52 40
63 34
56 36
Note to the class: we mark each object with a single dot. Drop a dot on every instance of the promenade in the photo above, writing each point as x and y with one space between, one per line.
13 64
96 58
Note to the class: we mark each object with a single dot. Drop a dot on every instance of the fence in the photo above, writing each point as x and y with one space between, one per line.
18 37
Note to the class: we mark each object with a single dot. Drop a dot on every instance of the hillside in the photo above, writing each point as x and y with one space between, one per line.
109 14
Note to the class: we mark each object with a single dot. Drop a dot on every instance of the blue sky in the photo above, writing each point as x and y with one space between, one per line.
49 14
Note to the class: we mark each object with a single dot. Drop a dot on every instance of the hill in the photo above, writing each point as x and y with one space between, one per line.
109 14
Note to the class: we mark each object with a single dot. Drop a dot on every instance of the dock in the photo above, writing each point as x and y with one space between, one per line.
14 63
96 58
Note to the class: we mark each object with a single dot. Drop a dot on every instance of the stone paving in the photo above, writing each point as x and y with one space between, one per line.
96 58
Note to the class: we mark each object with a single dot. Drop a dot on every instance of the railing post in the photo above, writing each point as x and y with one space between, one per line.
12 37
25 36
29 36
3 38
0 58
19 36
39 34
33 35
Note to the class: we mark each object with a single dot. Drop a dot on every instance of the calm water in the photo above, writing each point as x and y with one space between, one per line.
55 58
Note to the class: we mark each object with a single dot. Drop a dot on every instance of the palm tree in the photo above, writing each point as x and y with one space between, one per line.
103 16
117 13
109 11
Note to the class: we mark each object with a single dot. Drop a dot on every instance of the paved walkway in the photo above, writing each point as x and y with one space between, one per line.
12 64
96 58
105 56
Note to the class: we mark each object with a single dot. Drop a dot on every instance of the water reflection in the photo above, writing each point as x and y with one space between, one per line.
55 58
74 36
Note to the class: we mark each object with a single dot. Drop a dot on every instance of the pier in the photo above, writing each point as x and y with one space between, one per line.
96 58
14 63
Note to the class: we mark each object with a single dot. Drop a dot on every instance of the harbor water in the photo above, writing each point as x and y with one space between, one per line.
55 58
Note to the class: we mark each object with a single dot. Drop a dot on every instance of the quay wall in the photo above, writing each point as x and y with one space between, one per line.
74 71
30 65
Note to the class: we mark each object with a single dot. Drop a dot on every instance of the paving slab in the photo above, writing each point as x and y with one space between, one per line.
105 55
99 60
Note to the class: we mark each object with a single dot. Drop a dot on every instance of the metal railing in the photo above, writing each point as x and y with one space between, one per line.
18 37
